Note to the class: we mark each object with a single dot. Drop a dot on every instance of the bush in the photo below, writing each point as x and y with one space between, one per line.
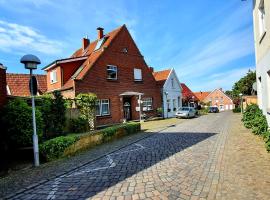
267 140
55 147
253 118
237 110
69 145
53 109
78 125
17 122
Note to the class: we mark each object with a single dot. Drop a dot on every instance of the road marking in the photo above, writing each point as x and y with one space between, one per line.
111 164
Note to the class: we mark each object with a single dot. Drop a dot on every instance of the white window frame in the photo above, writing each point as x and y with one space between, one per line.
53 76
261 17
114 68
174 105
101 102
149 104
137 74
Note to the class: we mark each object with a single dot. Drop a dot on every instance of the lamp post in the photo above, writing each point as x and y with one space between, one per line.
30 62
241 102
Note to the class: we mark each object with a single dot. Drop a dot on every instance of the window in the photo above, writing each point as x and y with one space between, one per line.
103 107
261 17
174 104
53 76
147 104
100 43
172 83
179 102
216 99
137 74
111 72
168 105
221 99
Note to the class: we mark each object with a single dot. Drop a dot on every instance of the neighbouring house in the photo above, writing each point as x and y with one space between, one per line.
18 84
188 97
3 91
171 91
261 25
112 67
201 95
217 98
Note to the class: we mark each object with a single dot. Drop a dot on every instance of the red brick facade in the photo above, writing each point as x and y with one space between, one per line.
3 90
218 98
94 79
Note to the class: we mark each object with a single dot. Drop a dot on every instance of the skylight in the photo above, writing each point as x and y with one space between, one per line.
100 43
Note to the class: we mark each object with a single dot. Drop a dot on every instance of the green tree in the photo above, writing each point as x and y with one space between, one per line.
87 105
244 85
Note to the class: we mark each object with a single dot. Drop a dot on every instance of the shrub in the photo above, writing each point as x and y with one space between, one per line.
68 145
87 105
17 122
53 109
54 148
237 110
267 140
78 125
253 118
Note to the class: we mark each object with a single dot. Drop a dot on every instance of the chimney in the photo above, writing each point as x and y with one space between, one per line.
100 32
151 69
220 89
85 43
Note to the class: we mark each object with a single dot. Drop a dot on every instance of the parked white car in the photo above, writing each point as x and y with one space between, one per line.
185 112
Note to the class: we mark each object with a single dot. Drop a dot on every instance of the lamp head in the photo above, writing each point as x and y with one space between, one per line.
30 61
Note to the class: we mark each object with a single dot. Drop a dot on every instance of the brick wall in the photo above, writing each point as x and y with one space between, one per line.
3 91
219 99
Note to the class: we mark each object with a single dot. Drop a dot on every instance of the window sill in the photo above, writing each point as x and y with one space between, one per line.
103 116
112 80
261 37
138 81
53 82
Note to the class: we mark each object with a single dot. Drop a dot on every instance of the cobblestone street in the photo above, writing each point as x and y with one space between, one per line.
199 158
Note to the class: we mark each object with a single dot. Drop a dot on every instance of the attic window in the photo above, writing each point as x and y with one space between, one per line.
100 43
125 50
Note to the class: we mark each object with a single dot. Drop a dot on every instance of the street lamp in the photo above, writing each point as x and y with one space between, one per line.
30 62
241 102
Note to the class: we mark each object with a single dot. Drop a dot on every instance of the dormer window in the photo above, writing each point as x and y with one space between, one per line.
100 43
53 76
111 72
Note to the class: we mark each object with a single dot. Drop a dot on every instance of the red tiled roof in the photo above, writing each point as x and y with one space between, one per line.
18 84
161 76
187 93
94 55
201 95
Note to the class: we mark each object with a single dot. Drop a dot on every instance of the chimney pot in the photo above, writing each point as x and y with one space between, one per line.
85 43
100 32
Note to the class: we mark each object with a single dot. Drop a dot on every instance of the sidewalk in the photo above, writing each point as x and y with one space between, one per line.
246 165
25 178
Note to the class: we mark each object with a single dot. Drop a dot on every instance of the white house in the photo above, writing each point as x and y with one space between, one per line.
171 91
261 23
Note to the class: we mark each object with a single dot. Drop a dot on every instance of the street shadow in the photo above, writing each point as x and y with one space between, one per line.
109 170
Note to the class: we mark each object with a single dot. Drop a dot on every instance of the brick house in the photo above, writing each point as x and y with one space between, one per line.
18 84
114 69
217 98
188 97
3 91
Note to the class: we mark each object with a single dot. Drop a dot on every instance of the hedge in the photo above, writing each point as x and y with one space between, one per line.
68 145
254 119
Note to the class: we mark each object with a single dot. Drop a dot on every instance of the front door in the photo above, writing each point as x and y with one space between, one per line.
127 108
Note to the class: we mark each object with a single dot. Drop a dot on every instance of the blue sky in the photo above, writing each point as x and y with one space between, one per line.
208 42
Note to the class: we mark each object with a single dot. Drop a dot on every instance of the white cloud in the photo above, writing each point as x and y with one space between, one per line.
15 37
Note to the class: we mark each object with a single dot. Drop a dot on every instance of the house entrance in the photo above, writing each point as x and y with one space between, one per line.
127 108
